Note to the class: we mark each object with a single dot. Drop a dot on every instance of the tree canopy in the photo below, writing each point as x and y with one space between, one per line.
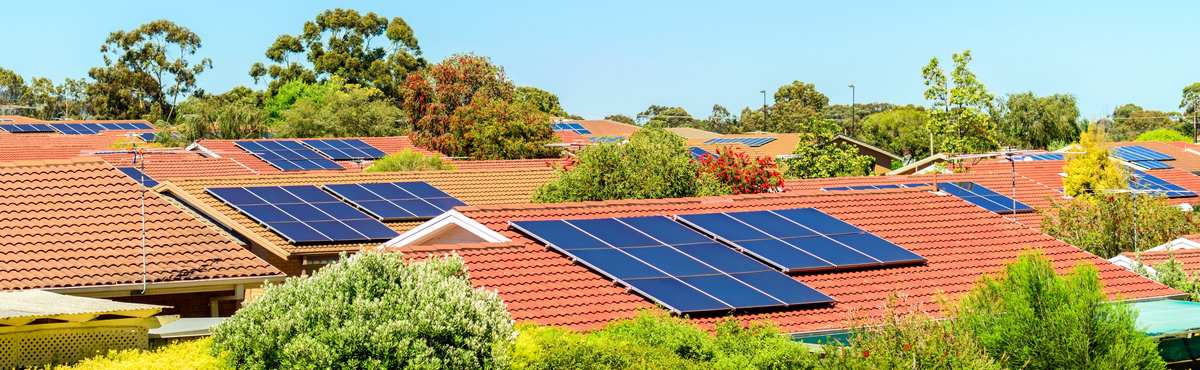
958 117
900 130
1033 122
145 71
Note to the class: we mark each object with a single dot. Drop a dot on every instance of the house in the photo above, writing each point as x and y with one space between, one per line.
956 243
778 146
1185 250
502 184
82 227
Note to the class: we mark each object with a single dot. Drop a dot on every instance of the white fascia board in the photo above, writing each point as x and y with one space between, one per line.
439 223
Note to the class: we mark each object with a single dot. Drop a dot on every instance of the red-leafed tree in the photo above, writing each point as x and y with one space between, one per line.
465 107
741 172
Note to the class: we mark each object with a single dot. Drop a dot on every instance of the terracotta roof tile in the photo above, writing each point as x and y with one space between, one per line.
172 164
78 223
1188 258
474 187
603 127
960 241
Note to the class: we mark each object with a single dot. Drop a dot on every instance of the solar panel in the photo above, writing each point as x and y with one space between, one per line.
981 196
138 176
747 141
570 126
1135 153
304 214
800 239
672 264
147 136
1151 165
1042 157
397 201
607 139
698 153
22 128
1139 180
76 128
345 149
875 187
288 155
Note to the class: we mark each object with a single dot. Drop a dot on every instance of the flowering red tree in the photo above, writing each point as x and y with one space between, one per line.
741 172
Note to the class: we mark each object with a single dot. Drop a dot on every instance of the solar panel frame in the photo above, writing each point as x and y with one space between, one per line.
1136 153
800 240
148 136
644 269
21 128
139 176
303 214
698 152
1140 180
985 198
287 155
396 201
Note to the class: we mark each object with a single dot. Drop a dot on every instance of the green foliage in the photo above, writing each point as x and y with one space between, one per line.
1029 121
654 164
287 94
907 338
819 155
364 49
958 118
145 71
901 130
1172 274
408 160
803 94
796 114
1105 224
337 109
657 341
843 113
12 87
743 174
193 355
1092 172
1164 135
720 120
232 115
1032 318
620 118
1129 121
1190 103
466 107
371 311
542 100
658 116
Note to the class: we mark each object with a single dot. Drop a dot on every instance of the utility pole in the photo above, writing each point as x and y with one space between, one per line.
765 114
850 129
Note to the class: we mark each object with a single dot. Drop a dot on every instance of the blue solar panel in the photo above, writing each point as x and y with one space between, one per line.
304 214
1139 180
981 196
607 139
875 187
1042 157
345 149
800 239
1151 165
138 176
21 128
147 136
672 264
570 126
76 128
288 155
1135 153
397 200
747 141
698 152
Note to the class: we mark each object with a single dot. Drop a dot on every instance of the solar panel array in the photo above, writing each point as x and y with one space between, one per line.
875 187
607 139
981 196
801 239
22 128
397 201
1142 157
345 149
672 264
288 155
138 176
1042 157
1139 180
747 141
698 152
148 136
304 214
95 128
570 126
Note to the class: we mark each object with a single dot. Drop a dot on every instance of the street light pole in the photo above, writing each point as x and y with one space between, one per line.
850 129
765 114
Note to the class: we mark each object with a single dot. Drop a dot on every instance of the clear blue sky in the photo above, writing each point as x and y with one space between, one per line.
604 57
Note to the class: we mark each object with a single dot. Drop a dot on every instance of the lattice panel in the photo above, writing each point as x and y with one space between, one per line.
60 346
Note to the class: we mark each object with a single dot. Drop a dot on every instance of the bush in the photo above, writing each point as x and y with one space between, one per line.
1162 134
911 340
1172 274
743 175
1104 224
371 311
1032 318
654 164
1092 172
408 160
193 354
819 154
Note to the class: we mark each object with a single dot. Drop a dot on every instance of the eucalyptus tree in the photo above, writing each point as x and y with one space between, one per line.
146 70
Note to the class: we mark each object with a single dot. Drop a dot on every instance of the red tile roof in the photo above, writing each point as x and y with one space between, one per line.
78 223
173 164
960 241
1187 155
603 127
16 147
1189 259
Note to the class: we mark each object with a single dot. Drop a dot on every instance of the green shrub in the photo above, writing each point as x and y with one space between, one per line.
908 339
371 311
1031 318
408 160
195 355
1104 224
1162 134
